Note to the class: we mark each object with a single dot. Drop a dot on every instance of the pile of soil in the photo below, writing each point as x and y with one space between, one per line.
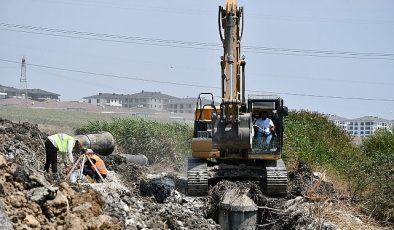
303 182
28 200
132 198
38 202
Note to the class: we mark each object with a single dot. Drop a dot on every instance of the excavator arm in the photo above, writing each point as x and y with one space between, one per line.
230 20
230 34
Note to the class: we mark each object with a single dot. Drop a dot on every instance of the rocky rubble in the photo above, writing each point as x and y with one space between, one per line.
303 182
31 202
132 198
37 202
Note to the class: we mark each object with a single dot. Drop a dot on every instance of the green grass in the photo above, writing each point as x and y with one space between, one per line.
55 118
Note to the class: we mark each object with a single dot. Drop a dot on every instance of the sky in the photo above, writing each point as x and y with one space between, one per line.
330 56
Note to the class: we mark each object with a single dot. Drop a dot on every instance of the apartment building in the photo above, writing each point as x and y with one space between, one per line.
184 105
363 126
145 99
150 100
341 122
181 105
105 99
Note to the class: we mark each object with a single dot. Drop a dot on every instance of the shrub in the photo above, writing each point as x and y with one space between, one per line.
158 141
367 170
310 137
377 165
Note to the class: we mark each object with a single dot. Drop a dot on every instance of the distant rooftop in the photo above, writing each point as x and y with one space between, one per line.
365 118
105 95
40 91
337 118
142 94
29 91
371 118
147 94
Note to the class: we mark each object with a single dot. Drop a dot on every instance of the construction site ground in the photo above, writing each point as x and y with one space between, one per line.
149 197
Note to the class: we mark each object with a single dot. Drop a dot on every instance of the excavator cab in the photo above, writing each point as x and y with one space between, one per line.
273 106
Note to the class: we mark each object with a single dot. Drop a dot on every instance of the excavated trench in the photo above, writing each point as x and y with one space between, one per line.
132 198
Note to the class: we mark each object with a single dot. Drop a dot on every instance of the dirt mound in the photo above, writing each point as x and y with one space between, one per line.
117 204
35 203
28 200
22 143
303 182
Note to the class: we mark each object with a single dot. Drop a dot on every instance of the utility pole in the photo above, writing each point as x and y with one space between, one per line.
23 80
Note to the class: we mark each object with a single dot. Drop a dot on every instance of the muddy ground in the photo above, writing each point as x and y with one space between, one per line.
137 197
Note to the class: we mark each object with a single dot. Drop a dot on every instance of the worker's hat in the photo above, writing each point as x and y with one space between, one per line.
89 151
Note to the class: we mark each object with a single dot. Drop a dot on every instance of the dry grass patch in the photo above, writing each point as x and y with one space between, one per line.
344 215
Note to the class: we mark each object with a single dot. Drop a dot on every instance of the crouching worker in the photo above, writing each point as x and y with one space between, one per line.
89 169
63 144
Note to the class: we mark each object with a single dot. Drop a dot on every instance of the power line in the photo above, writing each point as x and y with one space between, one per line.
113 75
113 36
322 79
196 85
318 51
194 45
321 55
324 96
292 77
111 40
41 70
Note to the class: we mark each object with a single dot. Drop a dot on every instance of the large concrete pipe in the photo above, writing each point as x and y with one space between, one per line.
102 143
237 211
140 160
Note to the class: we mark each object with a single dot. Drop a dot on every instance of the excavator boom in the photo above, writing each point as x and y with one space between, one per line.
224 136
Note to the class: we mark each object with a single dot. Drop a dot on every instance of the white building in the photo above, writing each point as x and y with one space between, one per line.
3 95
146 100
363 126
105 99
341 122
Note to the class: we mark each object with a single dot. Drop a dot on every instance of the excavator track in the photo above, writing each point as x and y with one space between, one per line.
197 177
276 178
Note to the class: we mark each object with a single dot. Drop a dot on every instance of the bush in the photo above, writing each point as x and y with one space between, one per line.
159 142
377 166
310 137
367 170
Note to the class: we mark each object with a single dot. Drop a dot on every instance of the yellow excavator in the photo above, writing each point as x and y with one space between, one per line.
225 145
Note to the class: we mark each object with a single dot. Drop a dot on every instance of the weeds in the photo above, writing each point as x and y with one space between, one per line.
158 141
368 170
